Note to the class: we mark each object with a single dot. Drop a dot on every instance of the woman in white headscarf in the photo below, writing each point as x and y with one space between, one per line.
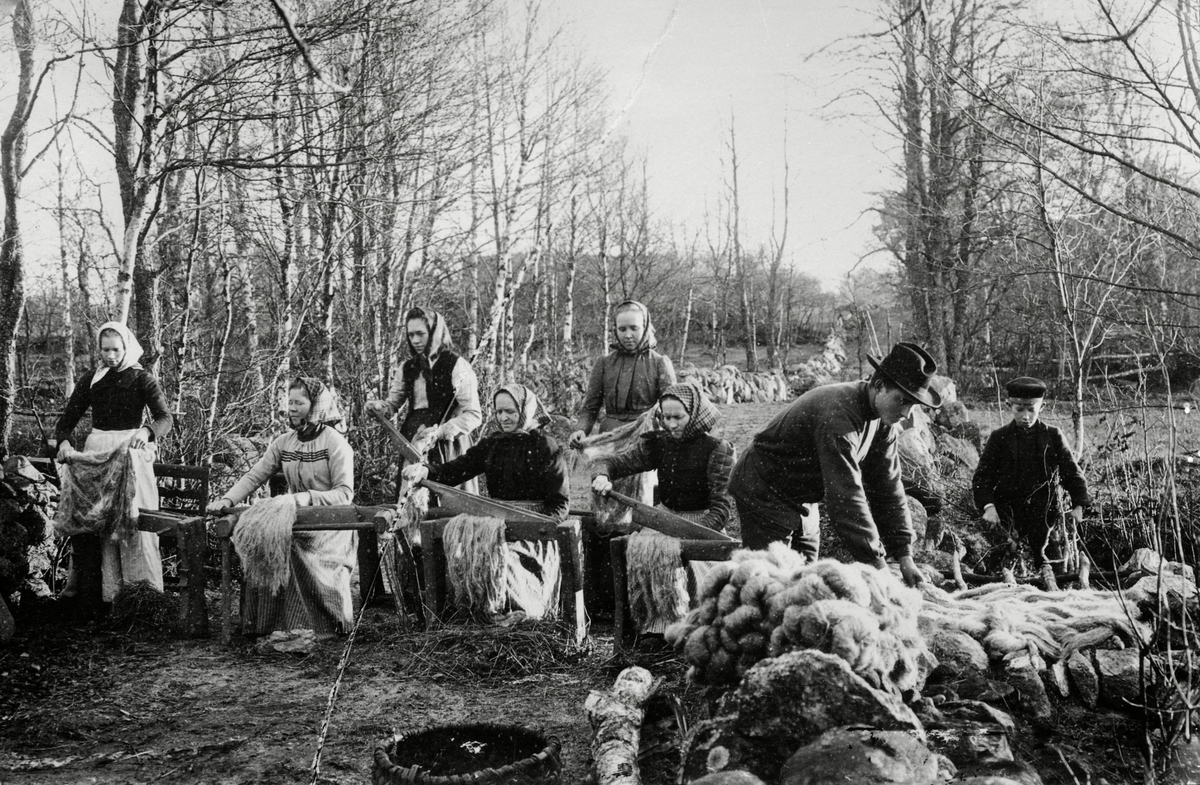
119 391
318 464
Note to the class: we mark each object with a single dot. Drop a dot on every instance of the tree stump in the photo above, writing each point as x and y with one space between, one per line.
616 719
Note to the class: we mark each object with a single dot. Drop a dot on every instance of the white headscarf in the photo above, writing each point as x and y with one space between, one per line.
133 350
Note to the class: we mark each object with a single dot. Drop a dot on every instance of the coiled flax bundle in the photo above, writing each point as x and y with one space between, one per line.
762 604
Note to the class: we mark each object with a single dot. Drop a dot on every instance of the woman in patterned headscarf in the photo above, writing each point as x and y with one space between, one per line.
118 391
693 465
519 460
522 464
441 390
318 464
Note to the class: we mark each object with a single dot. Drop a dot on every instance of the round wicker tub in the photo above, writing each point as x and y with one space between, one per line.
481 754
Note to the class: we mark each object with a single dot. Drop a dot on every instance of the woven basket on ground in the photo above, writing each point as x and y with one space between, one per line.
481 754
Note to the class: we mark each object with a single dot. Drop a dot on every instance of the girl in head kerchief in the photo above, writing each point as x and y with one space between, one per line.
522 464
318 464
441 390
625 383
118 391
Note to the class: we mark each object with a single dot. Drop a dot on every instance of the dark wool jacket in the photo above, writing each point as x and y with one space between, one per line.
693 473
816 451
625 384
1022 465
117 402
526 466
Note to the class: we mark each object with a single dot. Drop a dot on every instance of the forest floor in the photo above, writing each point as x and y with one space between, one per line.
88 704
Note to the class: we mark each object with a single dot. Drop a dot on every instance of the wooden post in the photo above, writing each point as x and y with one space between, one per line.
620 591
368 563
192 539
434 593
223 528
570 552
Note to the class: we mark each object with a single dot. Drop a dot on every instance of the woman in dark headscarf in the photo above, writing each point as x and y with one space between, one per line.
318 464
441 390
693 478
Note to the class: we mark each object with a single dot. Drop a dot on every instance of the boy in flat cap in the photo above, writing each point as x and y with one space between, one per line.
837 444
1020 470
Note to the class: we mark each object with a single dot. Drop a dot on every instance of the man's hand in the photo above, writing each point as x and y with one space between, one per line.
415 472
141 438
219 506
601 484
991 516
1077 514
577 438
303 499
383 407
65 450
911 573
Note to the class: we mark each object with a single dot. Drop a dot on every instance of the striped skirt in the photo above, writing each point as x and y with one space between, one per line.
317 596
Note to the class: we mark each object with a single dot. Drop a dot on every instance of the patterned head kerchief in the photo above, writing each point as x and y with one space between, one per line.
325 408
133 349
532 413
439 336
648 340
703 413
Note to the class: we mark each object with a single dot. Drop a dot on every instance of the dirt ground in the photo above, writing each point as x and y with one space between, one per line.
82 704
88 704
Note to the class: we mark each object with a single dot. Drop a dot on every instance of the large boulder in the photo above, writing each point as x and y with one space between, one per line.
1024 674
1084 681
784 703
958 653
1120 677
864 756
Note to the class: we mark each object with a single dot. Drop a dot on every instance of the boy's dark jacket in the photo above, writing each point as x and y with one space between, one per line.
1019 466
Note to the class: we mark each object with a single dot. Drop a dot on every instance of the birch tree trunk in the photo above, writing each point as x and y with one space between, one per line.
12 260
64 263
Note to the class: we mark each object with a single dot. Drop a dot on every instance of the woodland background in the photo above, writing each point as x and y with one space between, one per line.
294 176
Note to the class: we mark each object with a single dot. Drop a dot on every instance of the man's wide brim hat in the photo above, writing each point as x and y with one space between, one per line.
910 368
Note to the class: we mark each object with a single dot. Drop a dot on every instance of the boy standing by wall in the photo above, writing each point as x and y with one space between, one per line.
1020 470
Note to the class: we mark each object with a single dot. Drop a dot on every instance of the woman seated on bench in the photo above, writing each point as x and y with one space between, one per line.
521 464
693 473
318 464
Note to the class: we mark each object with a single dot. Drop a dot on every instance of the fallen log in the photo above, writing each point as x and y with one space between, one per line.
616 720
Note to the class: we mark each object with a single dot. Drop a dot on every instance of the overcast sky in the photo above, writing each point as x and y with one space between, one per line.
711 58
676 71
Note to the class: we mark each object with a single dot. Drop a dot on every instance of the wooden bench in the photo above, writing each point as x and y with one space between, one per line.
183 495
376 520
570 548
690 550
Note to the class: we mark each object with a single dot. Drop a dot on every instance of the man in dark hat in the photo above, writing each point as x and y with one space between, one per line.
837 444
1022 465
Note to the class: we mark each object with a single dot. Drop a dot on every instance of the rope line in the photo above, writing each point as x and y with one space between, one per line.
337 682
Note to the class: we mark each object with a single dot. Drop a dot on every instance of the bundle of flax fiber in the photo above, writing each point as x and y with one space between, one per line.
657 581
263 541
476 564
97 494
763 604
